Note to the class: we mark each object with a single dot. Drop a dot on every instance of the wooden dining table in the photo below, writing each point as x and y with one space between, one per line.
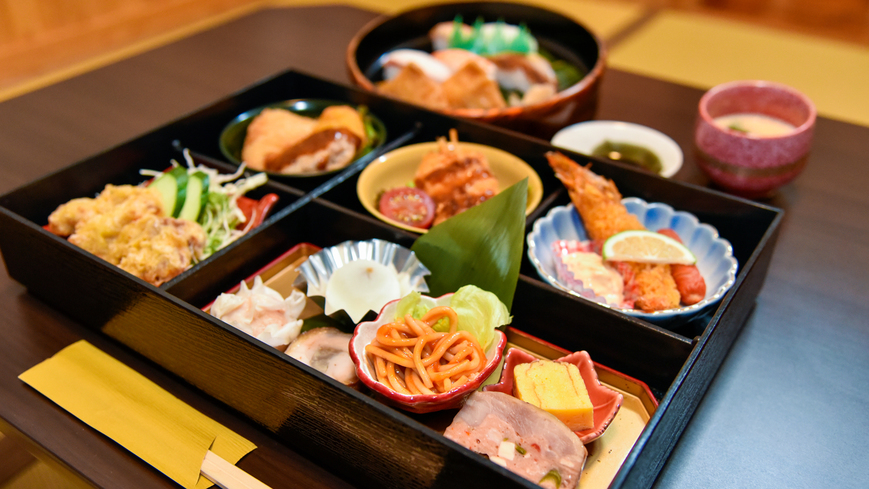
787 407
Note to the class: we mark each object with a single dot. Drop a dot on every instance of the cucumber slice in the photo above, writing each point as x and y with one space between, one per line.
182 178
205 187
197 187
167 185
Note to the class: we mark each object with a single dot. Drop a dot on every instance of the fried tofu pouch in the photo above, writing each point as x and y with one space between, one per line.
471 88
413 86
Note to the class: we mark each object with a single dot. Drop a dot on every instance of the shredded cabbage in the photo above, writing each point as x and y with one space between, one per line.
220 215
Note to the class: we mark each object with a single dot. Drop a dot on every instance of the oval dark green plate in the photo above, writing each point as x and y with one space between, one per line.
232 137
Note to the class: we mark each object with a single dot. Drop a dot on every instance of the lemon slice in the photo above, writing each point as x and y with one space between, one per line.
646 247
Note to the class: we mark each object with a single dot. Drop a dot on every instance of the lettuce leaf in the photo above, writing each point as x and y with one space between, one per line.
480 312
411 304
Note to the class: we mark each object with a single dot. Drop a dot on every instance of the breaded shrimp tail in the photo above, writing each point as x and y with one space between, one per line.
599 204
596 198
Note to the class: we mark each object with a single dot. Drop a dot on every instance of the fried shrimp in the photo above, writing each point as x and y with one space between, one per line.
599 204
596 198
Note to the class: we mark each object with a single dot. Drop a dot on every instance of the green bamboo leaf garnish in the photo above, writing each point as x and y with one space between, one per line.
481 246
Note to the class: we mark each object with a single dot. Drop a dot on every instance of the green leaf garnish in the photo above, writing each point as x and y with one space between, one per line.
735 126
481 246
480 312
566 74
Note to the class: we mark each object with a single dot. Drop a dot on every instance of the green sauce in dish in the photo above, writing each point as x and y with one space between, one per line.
629 153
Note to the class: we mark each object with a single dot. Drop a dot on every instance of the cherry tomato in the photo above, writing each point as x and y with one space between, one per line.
409 206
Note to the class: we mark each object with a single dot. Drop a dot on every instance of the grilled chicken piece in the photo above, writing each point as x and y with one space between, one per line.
338 134
455 178
270 133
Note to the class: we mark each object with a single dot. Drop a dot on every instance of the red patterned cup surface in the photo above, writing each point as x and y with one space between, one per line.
748 165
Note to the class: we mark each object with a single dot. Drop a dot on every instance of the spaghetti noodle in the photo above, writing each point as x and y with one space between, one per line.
411 358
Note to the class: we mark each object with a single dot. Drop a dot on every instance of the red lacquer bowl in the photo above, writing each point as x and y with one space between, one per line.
558 34
606 401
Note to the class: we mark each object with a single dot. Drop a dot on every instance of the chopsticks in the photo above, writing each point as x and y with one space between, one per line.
226 475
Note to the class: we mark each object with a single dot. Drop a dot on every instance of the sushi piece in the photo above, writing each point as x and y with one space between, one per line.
471 88
395 61
520 437
412 85
456 59
521 72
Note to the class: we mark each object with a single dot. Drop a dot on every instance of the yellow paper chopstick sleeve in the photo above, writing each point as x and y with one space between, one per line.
134 412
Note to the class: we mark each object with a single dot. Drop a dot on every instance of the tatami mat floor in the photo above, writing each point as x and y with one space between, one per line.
818 46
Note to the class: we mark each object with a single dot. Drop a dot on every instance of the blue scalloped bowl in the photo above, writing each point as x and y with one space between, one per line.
714 254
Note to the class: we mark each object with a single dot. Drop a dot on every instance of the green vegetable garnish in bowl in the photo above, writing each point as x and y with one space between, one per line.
480 312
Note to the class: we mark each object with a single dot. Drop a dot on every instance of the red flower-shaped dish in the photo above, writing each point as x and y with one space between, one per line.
606 401
365 333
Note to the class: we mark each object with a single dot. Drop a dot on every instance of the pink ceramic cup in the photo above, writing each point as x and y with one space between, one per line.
748 165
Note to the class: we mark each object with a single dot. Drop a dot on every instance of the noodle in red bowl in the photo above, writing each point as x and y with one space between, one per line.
441 356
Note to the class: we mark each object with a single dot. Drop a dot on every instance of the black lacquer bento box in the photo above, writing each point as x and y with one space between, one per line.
345 430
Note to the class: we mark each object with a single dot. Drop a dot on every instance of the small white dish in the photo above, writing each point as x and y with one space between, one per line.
584 137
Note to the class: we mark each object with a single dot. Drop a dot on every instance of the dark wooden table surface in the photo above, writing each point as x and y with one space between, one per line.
786 409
